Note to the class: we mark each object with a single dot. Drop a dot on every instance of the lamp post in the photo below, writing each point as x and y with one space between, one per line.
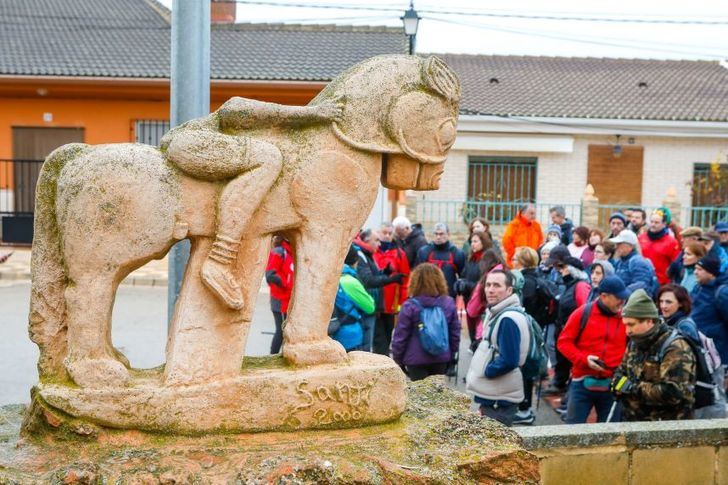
411 20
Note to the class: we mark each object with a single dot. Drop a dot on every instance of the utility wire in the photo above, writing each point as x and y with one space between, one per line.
578 18
582 39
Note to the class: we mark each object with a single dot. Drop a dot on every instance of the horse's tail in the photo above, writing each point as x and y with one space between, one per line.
47 325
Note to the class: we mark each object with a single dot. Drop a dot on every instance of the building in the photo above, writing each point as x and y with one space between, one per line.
97 71
539 129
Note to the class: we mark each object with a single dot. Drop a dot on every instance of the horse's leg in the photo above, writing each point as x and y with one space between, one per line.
91 360
319 253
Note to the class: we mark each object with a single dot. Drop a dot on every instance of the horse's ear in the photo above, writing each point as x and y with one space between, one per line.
441 79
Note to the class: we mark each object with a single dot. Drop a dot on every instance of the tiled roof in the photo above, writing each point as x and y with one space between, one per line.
562 87
131 38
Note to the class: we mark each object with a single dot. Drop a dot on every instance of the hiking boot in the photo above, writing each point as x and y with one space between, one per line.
524 417
561 409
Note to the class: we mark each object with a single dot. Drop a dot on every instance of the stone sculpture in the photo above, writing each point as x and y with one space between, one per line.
227 182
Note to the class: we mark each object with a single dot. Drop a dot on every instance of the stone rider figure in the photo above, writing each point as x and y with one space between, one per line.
213 150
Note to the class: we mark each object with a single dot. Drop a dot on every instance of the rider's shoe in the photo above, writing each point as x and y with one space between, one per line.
216 272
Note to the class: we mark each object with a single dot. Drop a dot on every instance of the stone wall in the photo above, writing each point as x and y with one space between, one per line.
674 452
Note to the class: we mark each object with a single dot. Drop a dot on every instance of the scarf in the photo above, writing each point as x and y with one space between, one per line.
476 256
654 236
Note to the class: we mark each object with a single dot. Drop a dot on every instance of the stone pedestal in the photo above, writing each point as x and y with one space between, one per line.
267 395
437 440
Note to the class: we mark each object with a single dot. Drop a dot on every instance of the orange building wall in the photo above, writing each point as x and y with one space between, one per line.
104 118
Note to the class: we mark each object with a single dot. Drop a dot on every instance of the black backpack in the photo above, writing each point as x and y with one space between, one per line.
704 385
545 308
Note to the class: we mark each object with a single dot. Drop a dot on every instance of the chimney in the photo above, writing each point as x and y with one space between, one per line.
222 12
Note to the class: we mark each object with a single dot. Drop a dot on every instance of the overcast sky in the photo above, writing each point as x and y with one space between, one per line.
483 29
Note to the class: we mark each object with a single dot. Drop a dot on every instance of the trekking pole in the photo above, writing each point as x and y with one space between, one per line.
611 411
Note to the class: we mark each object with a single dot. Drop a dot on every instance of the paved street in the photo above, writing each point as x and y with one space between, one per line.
139 331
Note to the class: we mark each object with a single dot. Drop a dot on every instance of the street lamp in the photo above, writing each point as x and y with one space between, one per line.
411 20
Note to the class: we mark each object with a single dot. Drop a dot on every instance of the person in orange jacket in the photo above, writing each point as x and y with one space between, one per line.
524 230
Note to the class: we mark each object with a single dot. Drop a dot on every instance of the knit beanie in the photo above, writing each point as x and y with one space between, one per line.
640 306
554 228
711 264
665 213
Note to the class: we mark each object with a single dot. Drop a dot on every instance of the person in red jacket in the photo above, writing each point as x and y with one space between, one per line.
279 276
524 230
391 259
595 344
658 245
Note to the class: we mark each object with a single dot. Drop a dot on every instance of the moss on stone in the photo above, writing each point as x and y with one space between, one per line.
437 440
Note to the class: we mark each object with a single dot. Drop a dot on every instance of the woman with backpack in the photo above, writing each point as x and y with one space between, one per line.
538 299
574 295
675 305
428 303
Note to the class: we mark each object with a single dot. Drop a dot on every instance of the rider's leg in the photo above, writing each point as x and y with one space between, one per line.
238 201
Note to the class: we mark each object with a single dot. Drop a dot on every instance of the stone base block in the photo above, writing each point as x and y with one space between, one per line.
436 440
266 396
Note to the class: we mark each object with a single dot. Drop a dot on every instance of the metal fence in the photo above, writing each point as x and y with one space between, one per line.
457 214
18 179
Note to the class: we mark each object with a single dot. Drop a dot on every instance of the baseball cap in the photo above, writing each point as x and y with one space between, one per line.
692 231
626 236
721 227
558 255
613 285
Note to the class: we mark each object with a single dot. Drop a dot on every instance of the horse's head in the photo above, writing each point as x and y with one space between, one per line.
405 107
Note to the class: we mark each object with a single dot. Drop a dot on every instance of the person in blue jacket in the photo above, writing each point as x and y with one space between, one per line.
635 271
710 303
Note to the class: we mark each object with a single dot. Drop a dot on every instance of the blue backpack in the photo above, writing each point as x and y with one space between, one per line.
433 329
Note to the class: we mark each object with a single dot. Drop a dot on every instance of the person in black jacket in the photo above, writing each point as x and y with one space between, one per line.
481 255
410 238
443 254
373 280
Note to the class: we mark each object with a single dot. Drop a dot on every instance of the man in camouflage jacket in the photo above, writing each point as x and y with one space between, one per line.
651 389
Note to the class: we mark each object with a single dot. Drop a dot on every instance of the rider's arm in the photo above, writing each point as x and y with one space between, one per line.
242 113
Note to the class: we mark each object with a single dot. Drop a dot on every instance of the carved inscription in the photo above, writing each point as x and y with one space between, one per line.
341 402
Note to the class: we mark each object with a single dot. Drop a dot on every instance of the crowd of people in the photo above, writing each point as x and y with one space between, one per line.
632 322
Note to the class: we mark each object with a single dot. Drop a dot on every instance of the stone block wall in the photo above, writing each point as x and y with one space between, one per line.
674 452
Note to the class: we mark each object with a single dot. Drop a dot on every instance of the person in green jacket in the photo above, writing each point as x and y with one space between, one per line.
352 303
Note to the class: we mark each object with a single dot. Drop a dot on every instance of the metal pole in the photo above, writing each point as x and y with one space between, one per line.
189 99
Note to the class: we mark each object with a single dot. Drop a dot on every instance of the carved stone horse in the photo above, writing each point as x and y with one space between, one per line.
104 211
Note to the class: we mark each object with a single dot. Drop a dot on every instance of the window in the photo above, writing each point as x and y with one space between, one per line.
150 132
710 194
498 185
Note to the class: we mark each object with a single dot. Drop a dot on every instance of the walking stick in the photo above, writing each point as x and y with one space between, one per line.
611 411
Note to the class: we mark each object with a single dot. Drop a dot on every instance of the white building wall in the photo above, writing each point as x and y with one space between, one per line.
561 176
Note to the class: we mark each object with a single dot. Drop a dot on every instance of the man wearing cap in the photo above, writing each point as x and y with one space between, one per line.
675 270
634 270
710 241
653 383
710 303
594 341
617 223
722 229
658 245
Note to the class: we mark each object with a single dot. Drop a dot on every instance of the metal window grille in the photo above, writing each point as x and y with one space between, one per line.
499 185
150 132
710 194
